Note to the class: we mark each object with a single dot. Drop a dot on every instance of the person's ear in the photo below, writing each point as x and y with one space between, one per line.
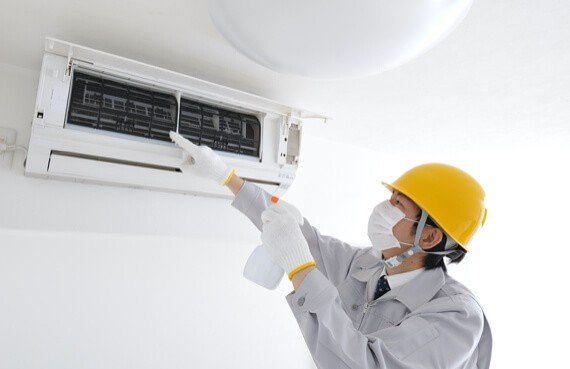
431 236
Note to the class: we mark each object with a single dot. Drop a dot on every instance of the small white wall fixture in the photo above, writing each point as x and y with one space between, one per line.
7 139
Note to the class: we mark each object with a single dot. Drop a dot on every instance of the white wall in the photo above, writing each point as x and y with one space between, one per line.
99 277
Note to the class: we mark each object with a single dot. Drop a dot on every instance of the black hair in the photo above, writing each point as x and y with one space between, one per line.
433 261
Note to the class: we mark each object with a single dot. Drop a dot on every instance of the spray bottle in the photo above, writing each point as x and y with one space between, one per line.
259 267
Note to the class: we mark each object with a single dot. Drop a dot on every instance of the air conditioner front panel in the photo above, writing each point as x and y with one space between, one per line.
87 143
69 154
177 81
144 152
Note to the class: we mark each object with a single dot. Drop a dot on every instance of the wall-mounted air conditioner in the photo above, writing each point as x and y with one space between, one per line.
103 118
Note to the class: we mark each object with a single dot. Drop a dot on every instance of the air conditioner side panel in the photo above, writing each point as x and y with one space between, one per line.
53 92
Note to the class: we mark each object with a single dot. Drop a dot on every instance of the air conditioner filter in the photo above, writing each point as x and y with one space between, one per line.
109 105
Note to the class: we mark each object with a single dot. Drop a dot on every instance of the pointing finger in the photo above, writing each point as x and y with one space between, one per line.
185 144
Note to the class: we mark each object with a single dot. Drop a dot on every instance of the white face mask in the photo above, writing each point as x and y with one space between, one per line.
381 224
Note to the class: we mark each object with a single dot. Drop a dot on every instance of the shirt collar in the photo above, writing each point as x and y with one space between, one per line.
397 280
412 290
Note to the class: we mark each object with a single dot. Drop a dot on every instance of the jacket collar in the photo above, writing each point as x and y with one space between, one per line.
413 294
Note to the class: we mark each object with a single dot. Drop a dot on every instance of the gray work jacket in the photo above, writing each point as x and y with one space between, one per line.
431 321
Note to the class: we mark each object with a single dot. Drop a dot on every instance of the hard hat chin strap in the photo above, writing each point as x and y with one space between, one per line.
394 261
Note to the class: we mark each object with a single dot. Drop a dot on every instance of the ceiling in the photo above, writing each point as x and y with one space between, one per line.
502 76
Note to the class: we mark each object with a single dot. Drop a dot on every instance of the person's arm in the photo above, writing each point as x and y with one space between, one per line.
443 333
333 257
235 183
299 277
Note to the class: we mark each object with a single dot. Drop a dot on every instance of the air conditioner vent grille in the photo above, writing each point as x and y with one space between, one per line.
113 106
219 129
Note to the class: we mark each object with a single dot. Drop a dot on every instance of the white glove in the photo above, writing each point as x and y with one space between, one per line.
293 211
284 241
202 160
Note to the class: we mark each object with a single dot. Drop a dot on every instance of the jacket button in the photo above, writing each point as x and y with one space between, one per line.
354 307
301 301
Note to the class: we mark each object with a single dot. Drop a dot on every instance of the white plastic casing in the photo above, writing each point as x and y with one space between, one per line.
64 151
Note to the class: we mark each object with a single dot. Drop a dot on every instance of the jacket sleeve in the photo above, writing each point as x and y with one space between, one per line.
333 256
443 337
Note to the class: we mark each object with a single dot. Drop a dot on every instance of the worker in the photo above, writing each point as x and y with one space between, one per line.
392 305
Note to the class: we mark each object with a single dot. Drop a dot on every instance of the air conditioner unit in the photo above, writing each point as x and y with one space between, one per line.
106 119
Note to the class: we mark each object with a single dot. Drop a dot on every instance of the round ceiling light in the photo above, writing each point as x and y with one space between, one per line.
335 38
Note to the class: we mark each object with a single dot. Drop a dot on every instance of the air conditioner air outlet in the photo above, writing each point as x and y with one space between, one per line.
63 154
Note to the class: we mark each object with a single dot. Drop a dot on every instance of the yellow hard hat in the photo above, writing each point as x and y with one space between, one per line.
451 197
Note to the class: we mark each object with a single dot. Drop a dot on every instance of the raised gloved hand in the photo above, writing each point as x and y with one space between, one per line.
202 161
284 241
